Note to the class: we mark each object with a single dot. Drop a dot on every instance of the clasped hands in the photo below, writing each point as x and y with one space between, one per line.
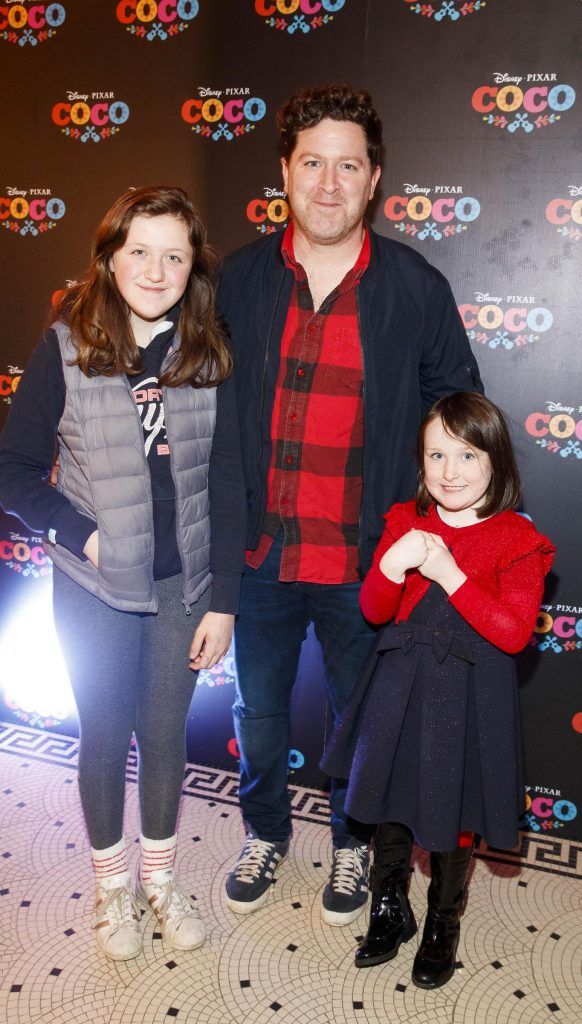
426 552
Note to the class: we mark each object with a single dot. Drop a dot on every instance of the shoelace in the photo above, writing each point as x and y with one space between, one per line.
173 898
348 868
119 907
255 853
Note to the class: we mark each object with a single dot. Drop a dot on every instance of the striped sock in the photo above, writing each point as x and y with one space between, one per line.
110 866
157 859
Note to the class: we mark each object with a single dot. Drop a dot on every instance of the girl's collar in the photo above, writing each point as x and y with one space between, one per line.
435 514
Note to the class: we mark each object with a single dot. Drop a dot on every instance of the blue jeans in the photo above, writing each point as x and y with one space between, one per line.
271 627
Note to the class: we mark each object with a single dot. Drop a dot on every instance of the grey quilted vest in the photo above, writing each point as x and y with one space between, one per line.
104 473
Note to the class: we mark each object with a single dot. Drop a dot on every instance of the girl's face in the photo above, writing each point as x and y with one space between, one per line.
151 269
456 475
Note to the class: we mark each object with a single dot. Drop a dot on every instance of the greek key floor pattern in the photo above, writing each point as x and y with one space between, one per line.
520 959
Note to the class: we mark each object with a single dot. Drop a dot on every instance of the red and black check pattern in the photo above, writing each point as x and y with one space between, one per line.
317 431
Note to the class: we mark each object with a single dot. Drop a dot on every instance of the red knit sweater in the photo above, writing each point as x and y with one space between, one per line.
504 558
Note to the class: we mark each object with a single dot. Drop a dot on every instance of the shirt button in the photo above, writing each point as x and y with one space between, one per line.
311 328
300 373
293 417
288 459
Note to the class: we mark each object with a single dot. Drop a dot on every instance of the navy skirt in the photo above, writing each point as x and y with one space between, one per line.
430 737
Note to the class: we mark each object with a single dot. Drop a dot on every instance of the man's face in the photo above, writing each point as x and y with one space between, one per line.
329 181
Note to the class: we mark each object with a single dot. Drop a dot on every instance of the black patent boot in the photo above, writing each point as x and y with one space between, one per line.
434 963
391 918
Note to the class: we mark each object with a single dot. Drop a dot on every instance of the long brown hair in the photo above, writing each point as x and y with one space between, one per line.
99 318
477 421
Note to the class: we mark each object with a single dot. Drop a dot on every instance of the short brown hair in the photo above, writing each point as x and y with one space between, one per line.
477 421
338 102
98 316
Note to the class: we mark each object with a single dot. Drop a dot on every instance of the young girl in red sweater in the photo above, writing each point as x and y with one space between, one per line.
430 738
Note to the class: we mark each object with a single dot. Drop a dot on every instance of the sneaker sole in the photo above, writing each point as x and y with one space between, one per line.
249 906
337 920
185 949
117 957
141 899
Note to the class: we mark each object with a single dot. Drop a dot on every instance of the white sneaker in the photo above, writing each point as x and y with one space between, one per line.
177 915
117 923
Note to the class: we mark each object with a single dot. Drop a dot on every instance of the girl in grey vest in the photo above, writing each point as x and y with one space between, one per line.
131 386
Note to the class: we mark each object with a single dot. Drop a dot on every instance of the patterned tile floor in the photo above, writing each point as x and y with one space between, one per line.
520 955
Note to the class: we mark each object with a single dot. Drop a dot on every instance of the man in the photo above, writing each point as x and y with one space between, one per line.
342 341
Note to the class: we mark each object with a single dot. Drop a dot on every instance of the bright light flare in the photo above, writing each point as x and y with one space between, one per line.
33 675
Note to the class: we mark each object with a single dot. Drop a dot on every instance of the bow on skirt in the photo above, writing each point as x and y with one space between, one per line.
406 636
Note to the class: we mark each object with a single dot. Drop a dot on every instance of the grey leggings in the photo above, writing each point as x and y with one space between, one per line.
129 674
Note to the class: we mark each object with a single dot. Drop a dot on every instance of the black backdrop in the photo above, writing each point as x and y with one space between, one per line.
482 173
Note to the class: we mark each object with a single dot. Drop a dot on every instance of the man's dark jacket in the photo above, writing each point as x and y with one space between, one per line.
415 350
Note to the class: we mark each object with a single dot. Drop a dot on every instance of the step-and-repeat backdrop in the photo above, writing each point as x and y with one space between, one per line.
482 110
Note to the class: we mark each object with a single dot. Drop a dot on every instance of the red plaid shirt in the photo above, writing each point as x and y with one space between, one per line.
314 487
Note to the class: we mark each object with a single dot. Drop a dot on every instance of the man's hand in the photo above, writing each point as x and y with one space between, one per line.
211 640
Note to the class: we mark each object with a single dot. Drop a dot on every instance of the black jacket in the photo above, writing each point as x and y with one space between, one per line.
415 350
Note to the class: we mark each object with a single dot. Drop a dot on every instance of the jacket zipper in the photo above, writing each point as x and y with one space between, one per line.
361 517
148 486
186 604
262 403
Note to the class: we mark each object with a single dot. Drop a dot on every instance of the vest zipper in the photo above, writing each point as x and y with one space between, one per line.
186 604
148 488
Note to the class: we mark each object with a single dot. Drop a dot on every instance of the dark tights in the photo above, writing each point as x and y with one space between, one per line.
129 674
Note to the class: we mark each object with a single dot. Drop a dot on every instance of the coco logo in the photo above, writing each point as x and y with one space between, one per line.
522 102
223 114
566 214
25 555
558 429
149 20
30 211
295 759
28 23
504 323
222 674
448 9
298 17
9 382
446 214
90 117
546 810
270 212
558 629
